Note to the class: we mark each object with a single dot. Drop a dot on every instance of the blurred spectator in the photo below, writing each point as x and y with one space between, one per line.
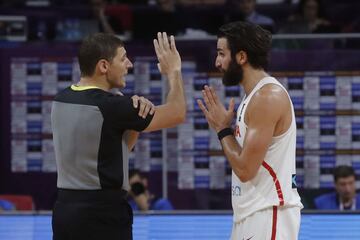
166 5
271 1
75 28
354 26
201 2
6 205
141 198
245 10
98 8
345 197
3 28
201 19
162 17
12 3
134 2
309 18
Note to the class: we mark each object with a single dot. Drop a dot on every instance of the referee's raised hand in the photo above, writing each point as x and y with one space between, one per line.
167 54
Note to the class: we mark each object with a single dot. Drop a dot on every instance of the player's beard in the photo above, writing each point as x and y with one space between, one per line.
233 75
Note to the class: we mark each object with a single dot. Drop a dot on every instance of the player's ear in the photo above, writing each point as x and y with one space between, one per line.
241 57
103 66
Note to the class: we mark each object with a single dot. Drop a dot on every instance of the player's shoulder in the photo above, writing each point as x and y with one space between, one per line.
63 93
272 86
116 102
116 99
270 93
271 99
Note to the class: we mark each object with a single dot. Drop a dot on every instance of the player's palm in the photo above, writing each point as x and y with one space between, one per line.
215 112
167 54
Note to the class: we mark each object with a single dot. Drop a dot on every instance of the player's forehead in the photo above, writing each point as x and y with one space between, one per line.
222 44
120 52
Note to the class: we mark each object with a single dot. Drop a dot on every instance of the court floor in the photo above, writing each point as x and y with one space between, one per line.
186 225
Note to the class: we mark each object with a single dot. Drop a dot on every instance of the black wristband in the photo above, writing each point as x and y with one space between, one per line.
224 132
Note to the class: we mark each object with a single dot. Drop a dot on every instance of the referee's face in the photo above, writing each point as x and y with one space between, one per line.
118 69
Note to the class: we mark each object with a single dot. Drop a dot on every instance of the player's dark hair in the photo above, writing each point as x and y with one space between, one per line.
250 38
94 48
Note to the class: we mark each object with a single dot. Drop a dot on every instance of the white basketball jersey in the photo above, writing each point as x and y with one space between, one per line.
274 183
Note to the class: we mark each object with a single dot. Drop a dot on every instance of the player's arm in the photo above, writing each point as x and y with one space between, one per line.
263 113
131 137
173 112
145 107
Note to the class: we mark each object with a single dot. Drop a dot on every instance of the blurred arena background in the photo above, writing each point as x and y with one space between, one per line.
318 64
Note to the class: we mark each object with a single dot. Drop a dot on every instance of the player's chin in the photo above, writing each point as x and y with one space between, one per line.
121 83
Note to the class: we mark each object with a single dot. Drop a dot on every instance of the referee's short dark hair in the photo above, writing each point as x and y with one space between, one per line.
343 171
94 48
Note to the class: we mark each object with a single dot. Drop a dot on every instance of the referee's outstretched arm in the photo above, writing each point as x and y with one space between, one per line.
173 111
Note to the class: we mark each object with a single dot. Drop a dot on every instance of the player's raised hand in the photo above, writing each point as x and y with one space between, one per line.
167 54
215 112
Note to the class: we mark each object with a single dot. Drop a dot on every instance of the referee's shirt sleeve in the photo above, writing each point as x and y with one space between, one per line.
119 110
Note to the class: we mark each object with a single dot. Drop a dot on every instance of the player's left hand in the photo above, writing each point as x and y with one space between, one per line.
146 107
215 112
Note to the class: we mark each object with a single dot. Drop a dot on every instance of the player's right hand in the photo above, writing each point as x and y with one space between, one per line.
146 106
215 112
167 54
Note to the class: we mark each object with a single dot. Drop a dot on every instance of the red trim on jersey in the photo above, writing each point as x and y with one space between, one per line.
276 181
274 221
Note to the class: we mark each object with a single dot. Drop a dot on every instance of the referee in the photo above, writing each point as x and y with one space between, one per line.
93 131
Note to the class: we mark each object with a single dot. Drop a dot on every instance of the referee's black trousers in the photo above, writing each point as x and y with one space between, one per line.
92 215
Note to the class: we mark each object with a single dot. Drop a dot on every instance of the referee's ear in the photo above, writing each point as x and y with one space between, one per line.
102 66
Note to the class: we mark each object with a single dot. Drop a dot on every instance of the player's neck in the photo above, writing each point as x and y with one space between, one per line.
251 78
94 81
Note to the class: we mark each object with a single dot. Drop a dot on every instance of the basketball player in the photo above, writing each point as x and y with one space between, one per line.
265 201
93 130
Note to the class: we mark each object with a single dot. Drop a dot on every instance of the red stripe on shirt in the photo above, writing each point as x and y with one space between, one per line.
276 181
273 231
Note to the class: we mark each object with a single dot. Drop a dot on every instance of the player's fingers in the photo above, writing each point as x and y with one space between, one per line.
156 47
149 108
166 41
214 95
206 99
209 95
161 42
172 43
142 106
202 107
146 110
135 100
